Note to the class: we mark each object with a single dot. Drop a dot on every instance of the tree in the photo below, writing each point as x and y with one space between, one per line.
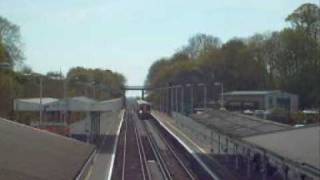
199 44
10 42
154 70
306 18
3 54
298 65
10 52
288 60
240 68
96 83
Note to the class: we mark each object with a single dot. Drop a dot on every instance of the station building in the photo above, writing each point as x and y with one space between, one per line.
261 100
78 117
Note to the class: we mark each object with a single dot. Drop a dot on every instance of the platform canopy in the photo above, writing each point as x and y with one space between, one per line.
236 124
31 154
77 104
33 104
301 145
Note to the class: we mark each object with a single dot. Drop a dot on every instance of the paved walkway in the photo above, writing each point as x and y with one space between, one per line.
110 123
198 148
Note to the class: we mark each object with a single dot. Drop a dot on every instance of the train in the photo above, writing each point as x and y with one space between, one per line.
143 109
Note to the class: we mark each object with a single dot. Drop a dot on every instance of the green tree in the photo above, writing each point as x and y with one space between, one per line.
3 54
10 42
298 65
200 44
10 52
306 18
288 60
154 70
96 83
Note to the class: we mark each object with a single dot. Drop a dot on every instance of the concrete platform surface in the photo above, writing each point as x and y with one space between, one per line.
110 124
197 148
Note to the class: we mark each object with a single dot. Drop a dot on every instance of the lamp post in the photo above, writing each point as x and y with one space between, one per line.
222 100
176 99
191 97
168 100
163 99
160 100
178 106
204 95
65 97
40 96
182 99
172 99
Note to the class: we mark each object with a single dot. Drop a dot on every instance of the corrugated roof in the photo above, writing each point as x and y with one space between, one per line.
80 103
250 92
31 154
300 144
45 100
237 125
110 100
83 99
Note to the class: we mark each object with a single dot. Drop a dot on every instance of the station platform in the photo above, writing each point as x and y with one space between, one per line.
172 124
103 162
198 139
246 148
201 151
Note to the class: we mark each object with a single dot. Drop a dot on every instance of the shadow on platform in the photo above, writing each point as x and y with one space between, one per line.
104 143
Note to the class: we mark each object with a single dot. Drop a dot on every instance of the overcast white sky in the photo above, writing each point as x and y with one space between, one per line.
127 36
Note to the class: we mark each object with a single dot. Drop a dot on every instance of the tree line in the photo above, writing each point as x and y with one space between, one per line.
19 81
287 60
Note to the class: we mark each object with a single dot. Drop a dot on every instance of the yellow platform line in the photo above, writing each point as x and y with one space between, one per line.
186 137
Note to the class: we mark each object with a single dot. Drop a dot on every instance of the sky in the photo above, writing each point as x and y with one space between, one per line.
128 36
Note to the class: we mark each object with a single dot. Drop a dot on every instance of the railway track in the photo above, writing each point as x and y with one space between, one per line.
172 164
145 152
130 162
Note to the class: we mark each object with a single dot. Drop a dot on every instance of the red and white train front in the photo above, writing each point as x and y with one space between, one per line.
143 109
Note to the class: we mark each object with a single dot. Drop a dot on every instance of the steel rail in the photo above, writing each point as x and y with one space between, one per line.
163 167
142 160
124 150
143 153
171 149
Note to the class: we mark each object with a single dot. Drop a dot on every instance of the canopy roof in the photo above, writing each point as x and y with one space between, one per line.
300 144
255 93
237 125
80 103
31 154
